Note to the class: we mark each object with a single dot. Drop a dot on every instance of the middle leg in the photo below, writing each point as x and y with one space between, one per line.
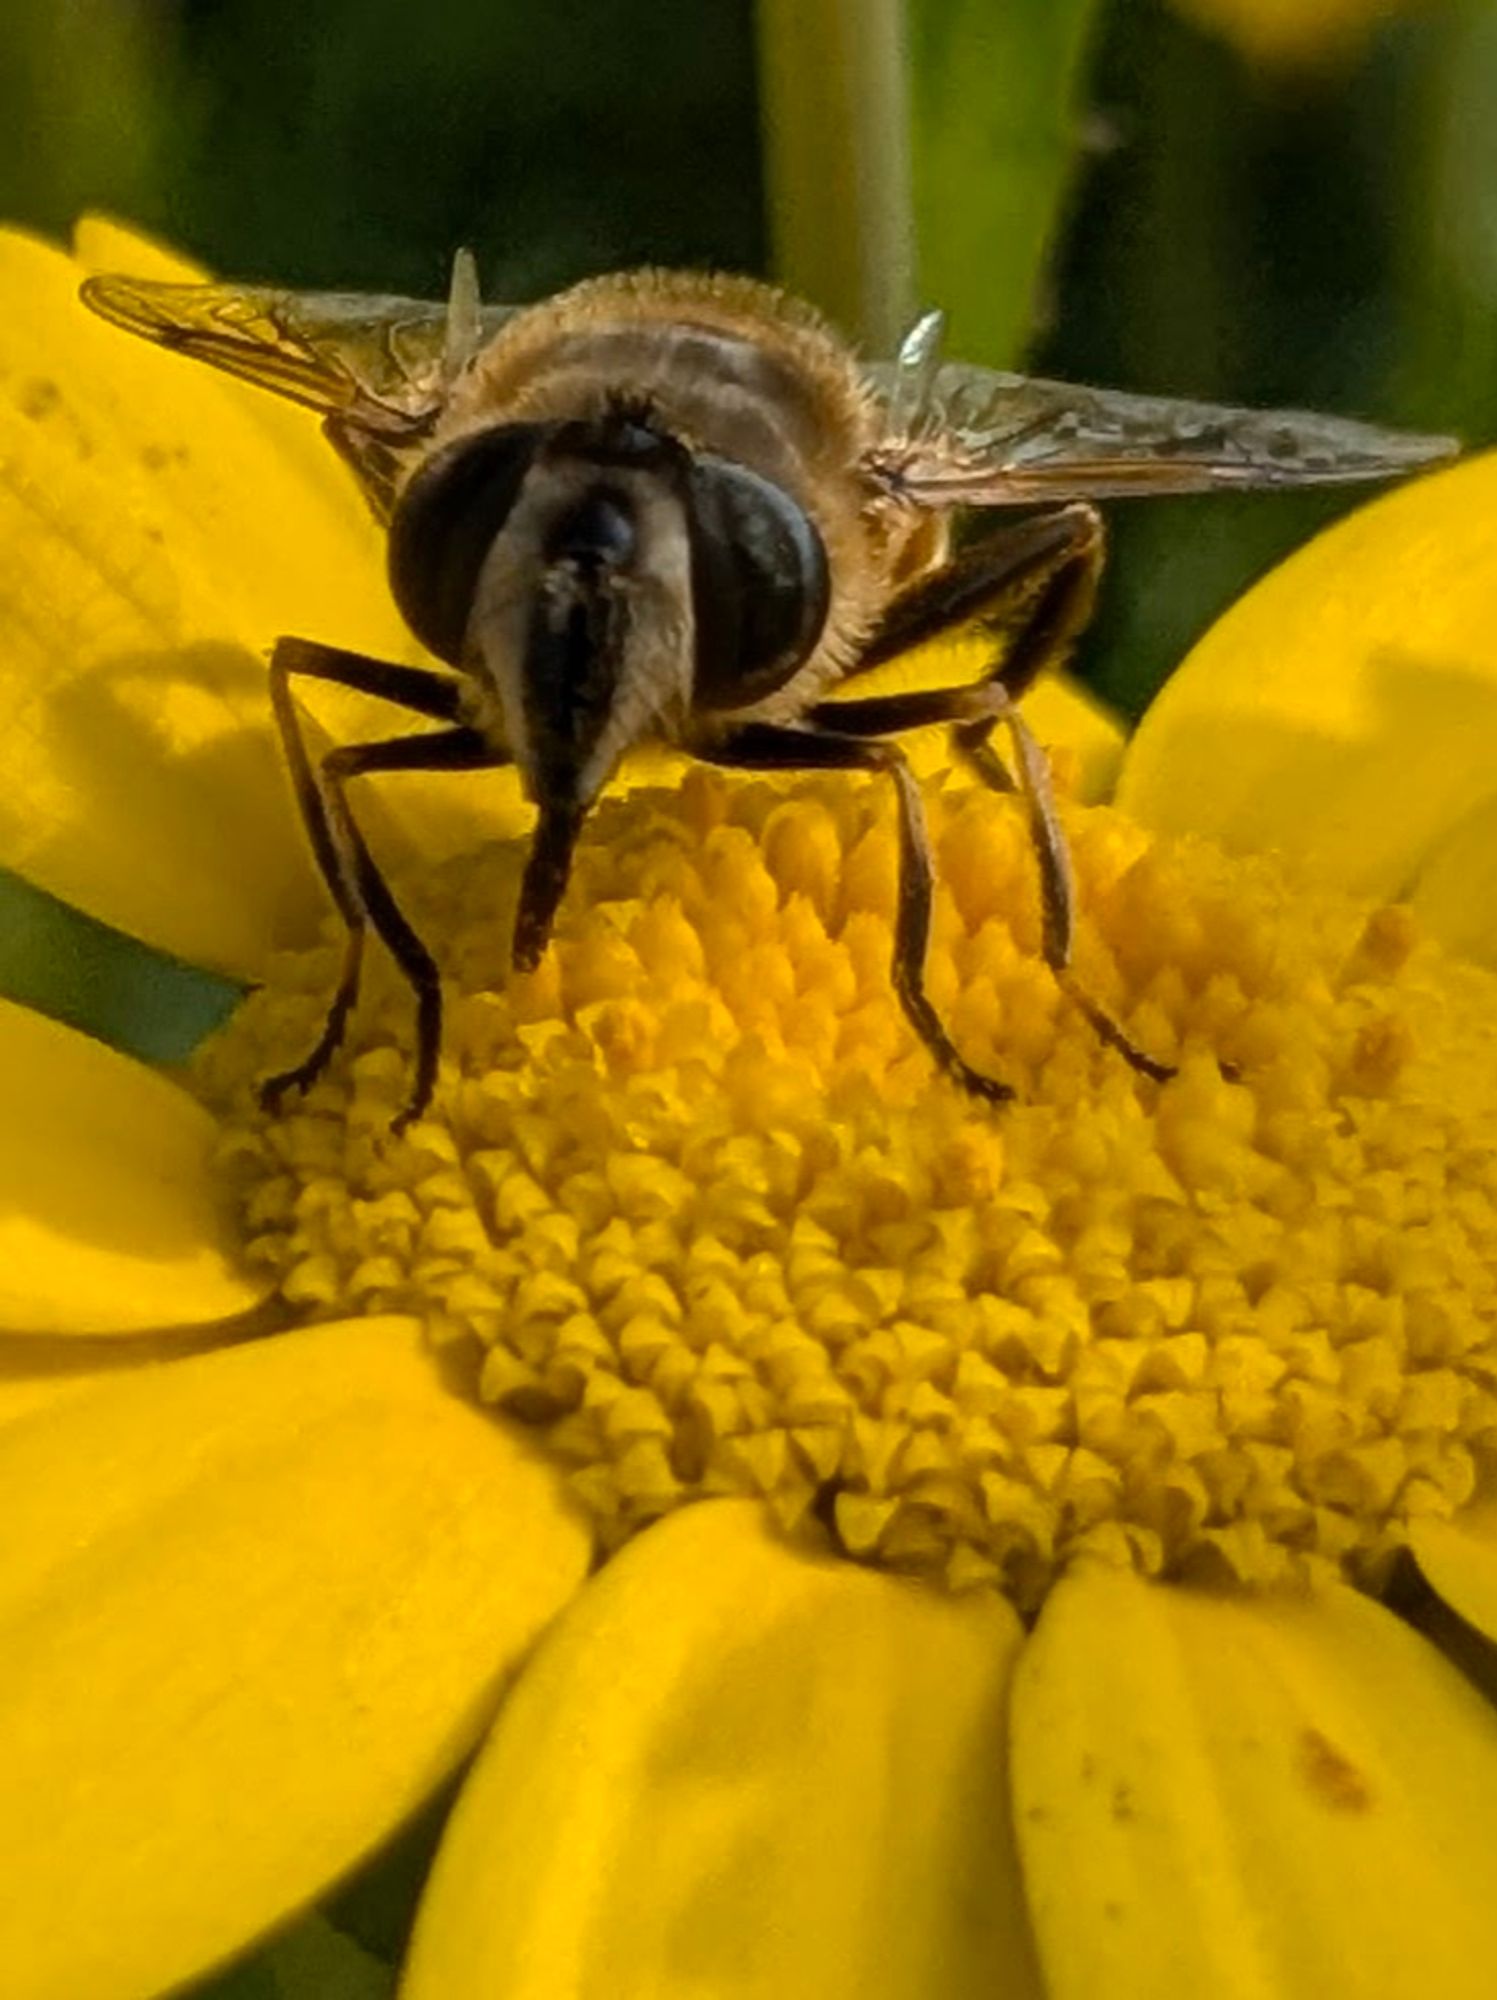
1038 582
764 746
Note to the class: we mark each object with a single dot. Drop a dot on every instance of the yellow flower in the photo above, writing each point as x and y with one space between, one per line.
309 1437
1293 33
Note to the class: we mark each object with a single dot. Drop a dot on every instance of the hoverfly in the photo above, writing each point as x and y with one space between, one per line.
676 507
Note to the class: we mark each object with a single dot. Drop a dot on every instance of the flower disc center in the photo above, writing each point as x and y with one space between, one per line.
692 1200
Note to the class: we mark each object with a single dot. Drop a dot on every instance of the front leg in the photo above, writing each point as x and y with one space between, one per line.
764 746
416 688
353 877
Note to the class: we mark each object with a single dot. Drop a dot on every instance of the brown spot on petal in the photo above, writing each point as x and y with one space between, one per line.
37 397
1124 1805
1331 1775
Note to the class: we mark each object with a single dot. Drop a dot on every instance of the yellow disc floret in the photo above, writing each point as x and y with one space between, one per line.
692 1199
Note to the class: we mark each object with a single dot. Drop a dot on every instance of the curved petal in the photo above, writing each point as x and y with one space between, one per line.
1455 892
1459 1558
1346 708
732 1770
1246 1796
36 1371
109 1220
151 545
253 1608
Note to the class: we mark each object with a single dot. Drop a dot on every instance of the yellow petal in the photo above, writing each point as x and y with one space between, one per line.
1346 709
1455 893
734 1771
35 1371
102 244
109 1216
1460 1559
253 1608
1251 1797
157 533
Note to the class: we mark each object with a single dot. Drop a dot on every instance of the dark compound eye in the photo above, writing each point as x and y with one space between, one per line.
759 583
445 523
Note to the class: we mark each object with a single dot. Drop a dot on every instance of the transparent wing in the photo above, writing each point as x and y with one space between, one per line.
377 369
964 436
384 359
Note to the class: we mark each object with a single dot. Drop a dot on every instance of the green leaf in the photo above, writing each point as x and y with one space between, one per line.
1448 366
919 152
995 133
834 108
68 965
81 90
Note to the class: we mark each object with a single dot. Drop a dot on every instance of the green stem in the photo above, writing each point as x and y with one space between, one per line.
833 96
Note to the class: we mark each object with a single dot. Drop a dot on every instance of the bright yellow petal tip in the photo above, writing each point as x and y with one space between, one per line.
254 1608
1345 710
102 244
1249 1796
730 1770
110 1215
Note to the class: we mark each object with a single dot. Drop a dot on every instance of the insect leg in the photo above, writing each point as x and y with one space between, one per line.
1058 899
415 688
459 749
342 858
978 706
762 746
363 896
987 583
1056 620
912 708
420 689
1034 579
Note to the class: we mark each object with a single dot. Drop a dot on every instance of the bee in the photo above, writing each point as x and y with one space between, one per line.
672 507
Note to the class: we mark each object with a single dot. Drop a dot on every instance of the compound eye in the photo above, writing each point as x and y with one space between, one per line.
444 525
759 583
